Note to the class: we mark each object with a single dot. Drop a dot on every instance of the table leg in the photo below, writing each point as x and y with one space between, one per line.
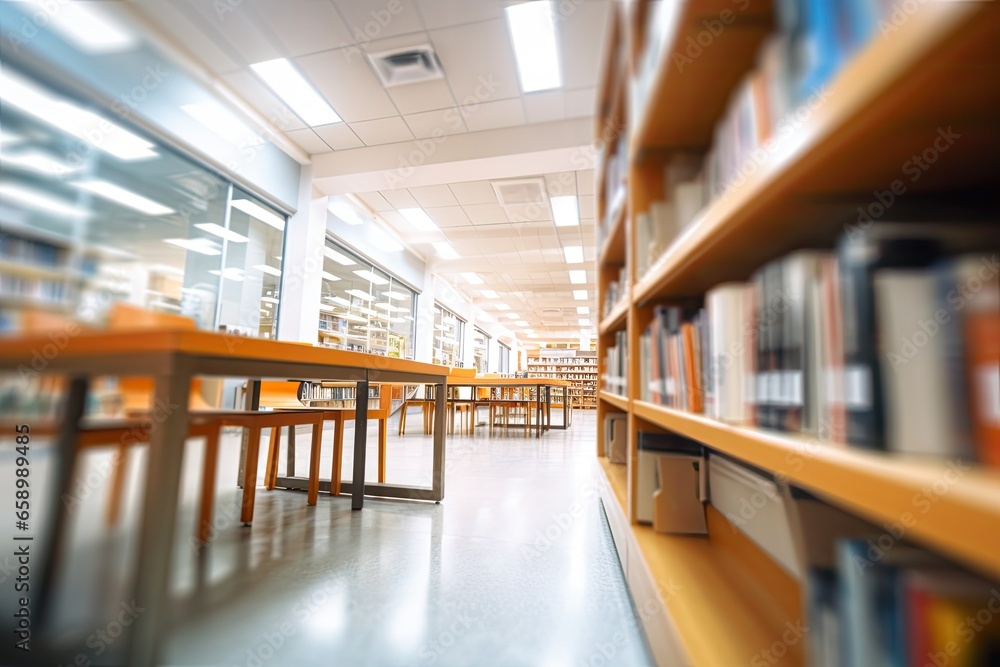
251 403
437 471
290 455
159 513
76 401
360 442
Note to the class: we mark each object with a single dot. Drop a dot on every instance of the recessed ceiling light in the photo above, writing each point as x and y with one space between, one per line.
387 307
338 257
268 299
91 128
329 276
88 27
533 30
528 331
202 246
126 198
573 253
584 321
473 278
326 308
345 212
395 295
38 162
234 274
578 277
489 294
583 310
371 277
565 211
264 268
341 301
521 323
42 201
365 296
485 317
580 294
366 310
221 232
445 250
223 124
419 219
502 306
296 92
512 316
260 213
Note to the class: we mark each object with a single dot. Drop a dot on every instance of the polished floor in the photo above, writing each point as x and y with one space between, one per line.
515 567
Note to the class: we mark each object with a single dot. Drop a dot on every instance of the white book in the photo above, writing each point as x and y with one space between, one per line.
726 398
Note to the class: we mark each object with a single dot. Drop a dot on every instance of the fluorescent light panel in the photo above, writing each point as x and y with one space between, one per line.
521 323
502 306
419 219
394 295
580 294
565 211
583 310
345 213
489 294
361 295
584 321
201 246
260 213
296 92
264 268
41 201
126 198
533 31
371 277
513 316
329 276
473 278
87 27
338 257
573 254
445 250
38 162
221 232
578 277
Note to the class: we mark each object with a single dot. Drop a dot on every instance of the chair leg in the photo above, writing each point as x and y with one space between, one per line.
317 442
119 466
338 456
273 451
207 503
383 427
250 467
402 419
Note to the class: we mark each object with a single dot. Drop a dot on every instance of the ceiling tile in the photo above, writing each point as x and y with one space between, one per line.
545 107
580 103
485 214
426 96
560 184
449 216
348 83
309 141
492 115
396 219
376 201
444 13
474 192
262 99
371 20
302 26
479 60
382 131
433 195
580 30
436 123
585 182
527 212
216 54
586 203
232 25
339 136
400 198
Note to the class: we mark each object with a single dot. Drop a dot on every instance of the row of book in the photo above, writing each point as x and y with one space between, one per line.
616 365
613 187
899 607
26 251
889 342
33 289
616 292
309 391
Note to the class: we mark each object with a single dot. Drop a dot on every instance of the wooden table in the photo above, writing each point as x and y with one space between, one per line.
172 357
542 386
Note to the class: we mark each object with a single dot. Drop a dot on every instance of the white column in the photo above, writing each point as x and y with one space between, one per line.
302 266
424 345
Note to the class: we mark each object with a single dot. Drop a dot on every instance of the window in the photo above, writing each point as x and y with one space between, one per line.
449 334
364 308
481 353
504 359
118 217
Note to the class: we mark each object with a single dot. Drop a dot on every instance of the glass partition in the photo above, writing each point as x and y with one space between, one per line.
449 335
481 354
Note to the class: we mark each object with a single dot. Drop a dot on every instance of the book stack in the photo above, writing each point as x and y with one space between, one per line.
333 397
889 342
686 196
616 365
615 176
617 290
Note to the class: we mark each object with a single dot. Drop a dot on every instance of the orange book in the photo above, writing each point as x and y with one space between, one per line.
982 348
691 378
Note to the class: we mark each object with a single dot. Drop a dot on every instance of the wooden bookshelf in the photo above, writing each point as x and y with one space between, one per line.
937 70
578 368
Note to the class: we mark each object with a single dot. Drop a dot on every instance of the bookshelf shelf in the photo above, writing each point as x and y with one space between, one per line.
578 367
616 318
24 270
620 402
613 250
892 95
617 474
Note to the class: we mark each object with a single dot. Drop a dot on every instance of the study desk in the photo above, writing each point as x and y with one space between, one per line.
172 357
543 386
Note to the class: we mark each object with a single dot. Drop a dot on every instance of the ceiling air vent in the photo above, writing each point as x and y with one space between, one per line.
520 191
410 65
